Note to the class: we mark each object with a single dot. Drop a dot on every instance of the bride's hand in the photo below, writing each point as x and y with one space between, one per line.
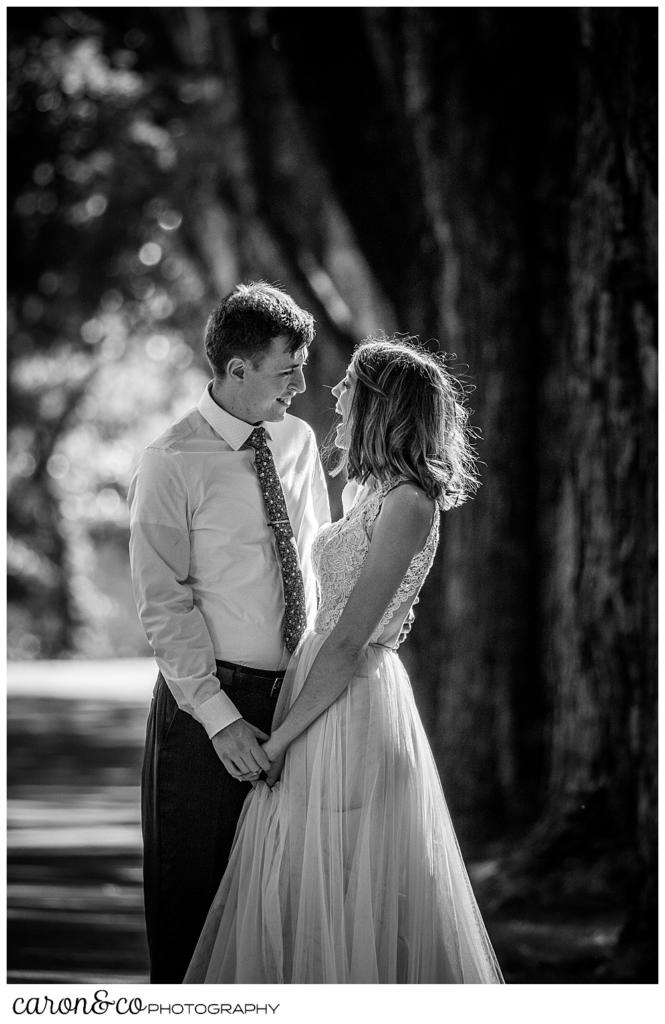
276 754
274 773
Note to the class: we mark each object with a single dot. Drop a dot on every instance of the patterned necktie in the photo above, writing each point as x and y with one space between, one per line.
295 616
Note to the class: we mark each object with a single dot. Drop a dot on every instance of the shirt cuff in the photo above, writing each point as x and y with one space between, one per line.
216 713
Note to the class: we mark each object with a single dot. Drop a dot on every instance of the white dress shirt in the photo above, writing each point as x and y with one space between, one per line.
205 568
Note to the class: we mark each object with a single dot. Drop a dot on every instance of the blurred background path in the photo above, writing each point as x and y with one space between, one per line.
75 733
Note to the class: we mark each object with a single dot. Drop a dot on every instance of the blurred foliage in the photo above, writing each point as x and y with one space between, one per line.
103 293
131 211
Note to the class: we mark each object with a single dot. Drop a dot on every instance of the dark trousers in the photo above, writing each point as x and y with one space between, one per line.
190 807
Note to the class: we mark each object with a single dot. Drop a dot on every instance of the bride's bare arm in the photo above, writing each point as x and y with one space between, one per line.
400 531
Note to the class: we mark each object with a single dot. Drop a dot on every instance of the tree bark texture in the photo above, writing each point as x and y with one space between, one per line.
598 528
600 592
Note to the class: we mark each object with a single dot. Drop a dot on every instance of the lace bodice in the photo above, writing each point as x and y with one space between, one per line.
339 552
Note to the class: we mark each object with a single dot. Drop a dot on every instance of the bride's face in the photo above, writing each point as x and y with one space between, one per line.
343 392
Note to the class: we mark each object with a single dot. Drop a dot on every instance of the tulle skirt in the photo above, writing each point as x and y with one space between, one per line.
348 870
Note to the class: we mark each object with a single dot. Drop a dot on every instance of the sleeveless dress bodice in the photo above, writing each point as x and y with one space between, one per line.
338 555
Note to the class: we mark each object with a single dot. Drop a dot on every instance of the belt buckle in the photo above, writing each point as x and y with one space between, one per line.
275 688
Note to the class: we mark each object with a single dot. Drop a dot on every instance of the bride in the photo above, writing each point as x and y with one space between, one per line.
345 867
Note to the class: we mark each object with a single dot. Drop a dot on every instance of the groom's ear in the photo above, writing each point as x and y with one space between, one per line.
235 369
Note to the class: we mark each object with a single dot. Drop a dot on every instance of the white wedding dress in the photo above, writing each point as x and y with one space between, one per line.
348 870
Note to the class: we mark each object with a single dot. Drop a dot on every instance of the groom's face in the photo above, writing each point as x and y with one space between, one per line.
273 380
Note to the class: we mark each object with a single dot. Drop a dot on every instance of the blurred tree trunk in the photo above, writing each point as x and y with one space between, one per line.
485 615
599 583
35 519
270 192
461 159
601 590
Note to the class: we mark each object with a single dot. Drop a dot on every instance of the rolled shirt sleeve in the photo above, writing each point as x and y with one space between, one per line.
159 557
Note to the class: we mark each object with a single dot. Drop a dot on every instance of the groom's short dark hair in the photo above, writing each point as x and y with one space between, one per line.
246 320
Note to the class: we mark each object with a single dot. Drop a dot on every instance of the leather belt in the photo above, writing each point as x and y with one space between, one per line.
249 679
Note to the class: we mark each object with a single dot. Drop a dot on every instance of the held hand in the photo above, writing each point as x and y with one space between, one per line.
274 773
238 748
277 754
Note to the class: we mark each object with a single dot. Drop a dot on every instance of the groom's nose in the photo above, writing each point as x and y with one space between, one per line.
298 381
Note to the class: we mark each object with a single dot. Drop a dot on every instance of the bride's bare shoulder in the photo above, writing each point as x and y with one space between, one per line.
407 497
410 509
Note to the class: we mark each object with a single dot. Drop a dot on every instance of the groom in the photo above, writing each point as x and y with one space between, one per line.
224 508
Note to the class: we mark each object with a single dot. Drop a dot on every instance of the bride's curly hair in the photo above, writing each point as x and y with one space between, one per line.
409 418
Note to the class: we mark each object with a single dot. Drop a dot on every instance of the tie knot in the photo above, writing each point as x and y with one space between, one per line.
257 438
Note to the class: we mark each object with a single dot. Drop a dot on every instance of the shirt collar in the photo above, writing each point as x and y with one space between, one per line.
234 431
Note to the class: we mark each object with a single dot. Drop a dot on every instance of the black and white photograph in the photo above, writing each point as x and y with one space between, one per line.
332 498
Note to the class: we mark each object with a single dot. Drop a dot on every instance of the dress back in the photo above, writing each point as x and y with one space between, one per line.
338 556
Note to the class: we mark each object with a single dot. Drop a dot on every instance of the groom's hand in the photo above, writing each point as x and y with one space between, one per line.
238 748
